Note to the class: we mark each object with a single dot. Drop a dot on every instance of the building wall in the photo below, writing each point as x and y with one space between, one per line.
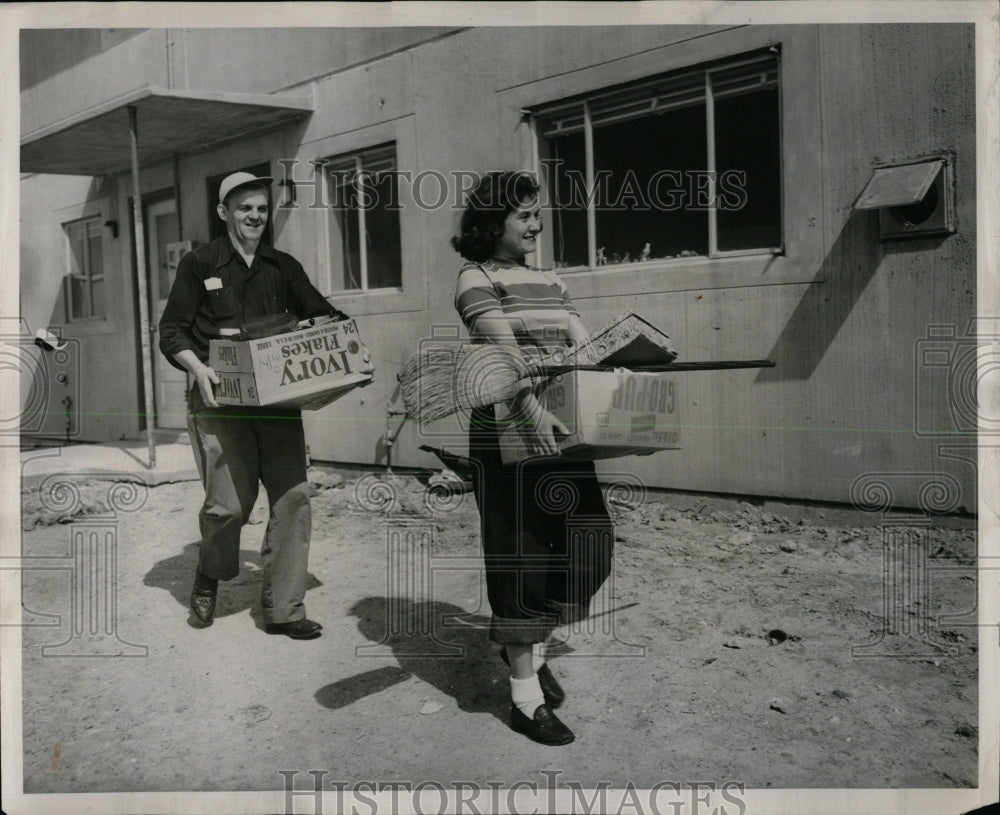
840 313
51 89
844 329
264 60
103 374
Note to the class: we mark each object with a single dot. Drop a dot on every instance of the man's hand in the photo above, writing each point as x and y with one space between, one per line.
206 377
367 366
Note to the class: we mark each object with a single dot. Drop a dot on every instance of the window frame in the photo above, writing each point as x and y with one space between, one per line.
92 226
769 58
412 296
803 223
333 164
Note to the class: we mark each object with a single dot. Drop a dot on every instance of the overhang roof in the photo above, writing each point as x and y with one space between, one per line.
95 141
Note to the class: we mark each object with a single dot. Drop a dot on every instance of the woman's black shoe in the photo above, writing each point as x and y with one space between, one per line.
551 689
544 727
203 605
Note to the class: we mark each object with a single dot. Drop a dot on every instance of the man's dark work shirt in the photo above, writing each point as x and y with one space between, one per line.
214 290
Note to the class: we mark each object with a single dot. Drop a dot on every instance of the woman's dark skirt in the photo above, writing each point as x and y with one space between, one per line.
547 537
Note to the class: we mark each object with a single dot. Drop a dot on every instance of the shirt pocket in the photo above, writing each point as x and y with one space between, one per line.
222 302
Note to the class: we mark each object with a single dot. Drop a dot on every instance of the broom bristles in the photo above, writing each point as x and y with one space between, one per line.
440 380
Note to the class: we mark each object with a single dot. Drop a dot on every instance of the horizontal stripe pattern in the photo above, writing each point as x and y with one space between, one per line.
534 301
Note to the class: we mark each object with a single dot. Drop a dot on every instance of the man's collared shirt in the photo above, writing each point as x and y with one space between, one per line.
215 294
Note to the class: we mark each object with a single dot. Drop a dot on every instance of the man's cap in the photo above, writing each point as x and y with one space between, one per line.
231 182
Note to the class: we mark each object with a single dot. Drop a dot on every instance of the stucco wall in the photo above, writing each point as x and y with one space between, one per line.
841 313
840 405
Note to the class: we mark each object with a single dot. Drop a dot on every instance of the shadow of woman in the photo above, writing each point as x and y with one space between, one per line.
439 643
176 575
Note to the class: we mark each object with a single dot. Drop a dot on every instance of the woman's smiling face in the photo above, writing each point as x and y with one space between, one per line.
521 228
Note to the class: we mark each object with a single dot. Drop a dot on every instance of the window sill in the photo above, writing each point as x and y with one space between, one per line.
375 301
89 326
686 274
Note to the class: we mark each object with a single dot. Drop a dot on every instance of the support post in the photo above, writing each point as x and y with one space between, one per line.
140 271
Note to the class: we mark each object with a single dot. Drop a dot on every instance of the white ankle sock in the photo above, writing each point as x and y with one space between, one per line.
526 694
537 656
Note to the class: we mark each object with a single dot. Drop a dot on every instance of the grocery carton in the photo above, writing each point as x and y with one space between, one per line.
609 414
627 341
306 369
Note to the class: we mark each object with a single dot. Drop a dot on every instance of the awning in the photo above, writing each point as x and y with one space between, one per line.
899 186
95 142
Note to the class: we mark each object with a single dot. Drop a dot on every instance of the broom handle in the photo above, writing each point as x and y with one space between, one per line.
536 369
662 367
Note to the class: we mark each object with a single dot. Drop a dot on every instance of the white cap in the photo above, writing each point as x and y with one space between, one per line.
46 339
231 182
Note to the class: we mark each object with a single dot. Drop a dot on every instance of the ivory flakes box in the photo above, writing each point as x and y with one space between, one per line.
307 369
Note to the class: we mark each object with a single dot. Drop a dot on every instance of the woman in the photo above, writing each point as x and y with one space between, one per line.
547 537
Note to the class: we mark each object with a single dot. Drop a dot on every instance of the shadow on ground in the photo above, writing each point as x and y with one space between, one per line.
242 593
439 643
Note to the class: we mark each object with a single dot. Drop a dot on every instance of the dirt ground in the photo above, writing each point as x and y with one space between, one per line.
731 644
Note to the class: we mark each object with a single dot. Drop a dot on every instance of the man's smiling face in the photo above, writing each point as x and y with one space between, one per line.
245 213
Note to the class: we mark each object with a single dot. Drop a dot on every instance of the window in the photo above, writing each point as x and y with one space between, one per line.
685 164
364 227
85 290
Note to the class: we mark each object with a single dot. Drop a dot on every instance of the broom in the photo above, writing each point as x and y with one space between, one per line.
440 380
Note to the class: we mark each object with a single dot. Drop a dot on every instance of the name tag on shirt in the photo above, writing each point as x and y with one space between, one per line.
213 283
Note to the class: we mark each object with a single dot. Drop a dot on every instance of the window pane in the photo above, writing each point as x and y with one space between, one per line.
566 179
166 232
649 169
78 298
747 160
382 226
77 261
647 98
97 298
77 285
346 229
365 179
96 246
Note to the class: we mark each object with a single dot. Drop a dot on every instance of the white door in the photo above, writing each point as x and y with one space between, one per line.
169 384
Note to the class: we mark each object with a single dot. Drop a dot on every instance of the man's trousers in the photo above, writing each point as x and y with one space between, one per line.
236 448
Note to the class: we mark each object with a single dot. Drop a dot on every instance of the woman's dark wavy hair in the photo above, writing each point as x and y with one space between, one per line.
496 195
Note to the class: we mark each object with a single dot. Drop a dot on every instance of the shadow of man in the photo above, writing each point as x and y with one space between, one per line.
176 574
439 643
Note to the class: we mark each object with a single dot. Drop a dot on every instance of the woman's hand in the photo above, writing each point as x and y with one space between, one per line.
539 429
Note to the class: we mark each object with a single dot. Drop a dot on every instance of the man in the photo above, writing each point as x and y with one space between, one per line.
219 288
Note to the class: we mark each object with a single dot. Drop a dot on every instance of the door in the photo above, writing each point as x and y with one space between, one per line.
164 251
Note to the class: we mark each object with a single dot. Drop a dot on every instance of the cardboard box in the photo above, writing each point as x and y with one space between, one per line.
305 369
626 341
609 414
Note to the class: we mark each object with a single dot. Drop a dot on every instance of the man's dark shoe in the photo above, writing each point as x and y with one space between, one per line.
297 630
544 727
203 605
551 689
